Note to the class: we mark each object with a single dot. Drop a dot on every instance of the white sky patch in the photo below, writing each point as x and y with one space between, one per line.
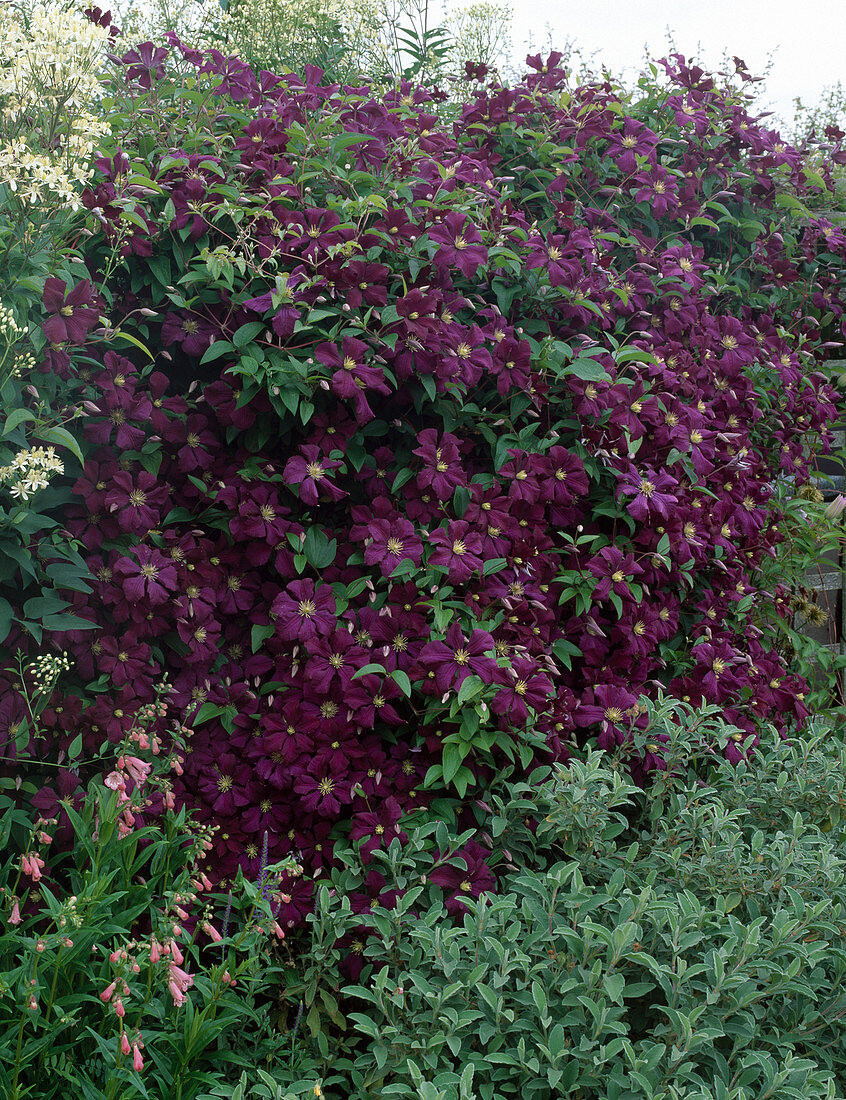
807 40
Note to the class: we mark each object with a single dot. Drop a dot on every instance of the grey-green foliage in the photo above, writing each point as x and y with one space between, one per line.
683 943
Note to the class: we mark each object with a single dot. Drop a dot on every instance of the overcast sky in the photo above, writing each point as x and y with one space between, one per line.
807 38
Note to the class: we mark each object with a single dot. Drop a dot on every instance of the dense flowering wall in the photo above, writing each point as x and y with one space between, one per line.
460 432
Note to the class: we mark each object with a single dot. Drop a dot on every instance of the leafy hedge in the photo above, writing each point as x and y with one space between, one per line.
419 440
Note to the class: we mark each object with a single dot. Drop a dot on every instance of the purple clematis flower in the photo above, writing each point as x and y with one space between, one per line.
304 612
460 244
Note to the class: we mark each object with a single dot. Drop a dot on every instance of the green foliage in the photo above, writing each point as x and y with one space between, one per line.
683 941
88 964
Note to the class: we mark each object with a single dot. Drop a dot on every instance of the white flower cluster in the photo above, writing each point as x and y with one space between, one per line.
9 327
30 471
58 50
50 69
47 668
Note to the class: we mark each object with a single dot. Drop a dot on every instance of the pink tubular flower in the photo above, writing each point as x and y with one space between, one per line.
107 993
137 1060
136 769
15 915
125 1048
31 865
211 932
178 983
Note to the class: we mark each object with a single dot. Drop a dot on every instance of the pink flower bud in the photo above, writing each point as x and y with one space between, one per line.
15 915
212 932
120 1011
137 1060
125 1048
106 995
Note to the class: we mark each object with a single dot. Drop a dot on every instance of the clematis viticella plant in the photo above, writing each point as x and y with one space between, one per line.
457 431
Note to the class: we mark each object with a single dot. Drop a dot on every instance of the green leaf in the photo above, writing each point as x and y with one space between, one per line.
539 997
16 417
206 711
62 438
216 351
319 550
471 686
60 623
428 383
587 369
366 670
119 336
452 759
259 633
401 678
246 333
7 616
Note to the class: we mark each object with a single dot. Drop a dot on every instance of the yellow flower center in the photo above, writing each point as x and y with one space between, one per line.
394 546
458 547
306 609
461 657
315 470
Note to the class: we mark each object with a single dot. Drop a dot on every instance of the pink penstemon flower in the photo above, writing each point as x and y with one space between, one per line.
179 982
31 865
